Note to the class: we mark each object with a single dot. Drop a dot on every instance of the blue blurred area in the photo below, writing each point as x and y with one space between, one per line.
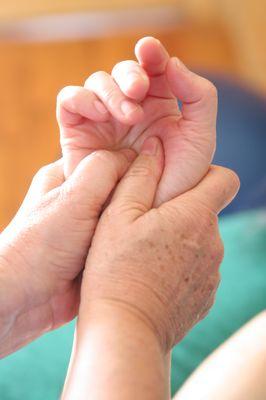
241 141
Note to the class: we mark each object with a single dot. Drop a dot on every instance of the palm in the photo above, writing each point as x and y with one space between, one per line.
188 142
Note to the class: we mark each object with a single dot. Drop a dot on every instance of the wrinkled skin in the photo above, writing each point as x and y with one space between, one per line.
44 248
162 264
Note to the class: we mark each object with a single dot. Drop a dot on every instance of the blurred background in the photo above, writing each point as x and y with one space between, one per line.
45 45
48 44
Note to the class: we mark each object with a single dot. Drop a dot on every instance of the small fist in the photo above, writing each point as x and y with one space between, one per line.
139 100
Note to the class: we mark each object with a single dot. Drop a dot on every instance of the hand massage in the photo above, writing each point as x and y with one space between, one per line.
122 232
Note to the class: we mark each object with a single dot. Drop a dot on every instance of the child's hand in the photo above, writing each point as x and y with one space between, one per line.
138 101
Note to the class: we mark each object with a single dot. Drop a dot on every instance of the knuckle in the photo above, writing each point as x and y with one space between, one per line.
110 94
229 182
210 295
141 170
211 89
200 217
112 212
234 179
133 205
43 172
204 221
125 206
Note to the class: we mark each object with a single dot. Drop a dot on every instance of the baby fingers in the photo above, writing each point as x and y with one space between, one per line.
74 103
132 79
118 104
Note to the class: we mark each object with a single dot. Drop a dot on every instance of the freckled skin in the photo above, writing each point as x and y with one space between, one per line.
171 294
150 244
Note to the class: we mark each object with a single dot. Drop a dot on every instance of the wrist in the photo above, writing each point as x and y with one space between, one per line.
117 348
108 312
112 312
133 295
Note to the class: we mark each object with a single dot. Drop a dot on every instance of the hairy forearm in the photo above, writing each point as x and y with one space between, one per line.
116 356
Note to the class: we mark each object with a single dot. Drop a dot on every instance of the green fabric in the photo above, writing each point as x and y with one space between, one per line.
241 294
37 372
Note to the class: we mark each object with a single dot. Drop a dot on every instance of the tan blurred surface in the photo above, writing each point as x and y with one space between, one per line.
24 8
243 20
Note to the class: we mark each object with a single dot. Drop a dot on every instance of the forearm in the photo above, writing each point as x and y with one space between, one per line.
116 356
20 320
235 370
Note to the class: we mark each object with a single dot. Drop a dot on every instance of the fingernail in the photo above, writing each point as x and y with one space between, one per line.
150 146
179 64
100 107
127 107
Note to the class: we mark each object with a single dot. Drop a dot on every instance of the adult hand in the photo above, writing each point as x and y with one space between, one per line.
44 249
139 100
161 264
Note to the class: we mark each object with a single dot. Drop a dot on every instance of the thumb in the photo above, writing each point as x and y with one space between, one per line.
215 191
47 178
137 189
91 183
197 94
